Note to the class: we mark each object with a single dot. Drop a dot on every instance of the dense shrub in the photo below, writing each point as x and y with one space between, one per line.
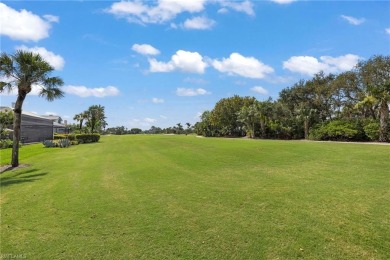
338 130
71 137
87 138
50 143
371 130
63 143
5 143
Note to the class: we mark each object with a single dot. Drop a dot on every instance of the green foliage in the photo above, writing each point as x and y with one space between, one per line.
338 130
224 116
49 143
5 143
6 120
74 142
87 138
71 137
63 143
372 130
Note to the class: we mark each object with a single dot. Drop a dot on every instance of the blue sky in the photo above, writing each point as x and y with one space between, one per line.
165 62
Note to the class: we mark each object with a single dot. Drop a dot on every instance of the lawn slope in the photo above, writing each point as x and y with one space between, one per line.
157 197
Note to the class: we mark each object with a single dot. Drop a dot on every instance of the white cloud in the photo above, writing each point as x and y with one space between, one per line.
310 65
163 117
149 120
53 59
237 64
35 89
24 25
199 23
239 6
83 91
184 61
51 18
145 49
387 30
260 90
283 1
157 100
165 10
189 92
353 20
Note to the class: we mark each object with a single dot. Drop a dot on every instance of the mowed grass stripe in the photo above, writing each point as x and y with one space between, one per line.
185 197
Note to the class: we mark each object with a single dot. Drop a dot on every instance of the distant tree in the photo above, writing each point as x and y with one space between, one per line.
23 70
179 128
80 118
135 131
249 116
375 76
6 119
96 119
223 117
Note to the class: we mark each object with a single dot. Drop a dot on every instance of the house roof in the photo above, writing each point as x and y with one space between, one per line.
6 109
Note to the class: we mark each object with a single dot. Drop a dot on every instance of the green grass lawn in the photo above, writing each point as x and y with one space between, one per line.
168 197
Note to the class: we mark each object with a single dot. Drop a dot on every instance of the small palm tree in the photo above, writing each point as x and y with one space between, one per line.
375 75
23 70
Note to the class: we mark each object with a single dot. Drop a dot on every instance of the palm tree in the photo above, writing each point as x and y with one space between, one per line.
23 70
80 118
375 75
96 118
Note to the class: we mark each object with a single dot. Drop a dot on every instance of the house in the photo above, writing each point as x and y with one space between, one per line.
34 128
58 127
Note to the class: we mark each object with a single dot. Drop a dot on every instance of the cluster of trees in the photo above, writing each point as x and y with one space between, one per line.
353 105
92 120
177 129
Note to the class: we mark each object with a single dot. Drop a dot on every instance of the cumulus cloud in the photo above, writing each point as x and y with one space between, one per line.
83 91
24 25
146 12
189 92
353 20
145 49
53 59
260 90
165 10
310 65
237 64
157 100
35 89
199 23
184 61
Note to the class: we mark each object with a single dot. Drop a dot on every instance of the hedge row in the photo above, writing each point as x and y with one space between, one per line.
80 138
346 130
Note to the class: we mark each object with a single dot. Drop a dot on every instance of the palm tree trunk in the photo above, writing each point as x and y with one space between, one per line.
17 124
262 126
306 127
384 118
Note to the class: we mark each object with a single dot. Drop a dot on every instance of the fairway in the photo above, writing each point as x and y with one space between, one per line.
182 197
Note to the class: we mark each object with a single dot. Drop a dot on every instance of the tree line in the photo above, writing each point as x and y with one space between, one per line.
353 105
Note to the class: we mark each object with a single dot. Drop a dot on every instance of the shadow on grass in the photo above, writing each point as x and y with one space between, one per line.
21 177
